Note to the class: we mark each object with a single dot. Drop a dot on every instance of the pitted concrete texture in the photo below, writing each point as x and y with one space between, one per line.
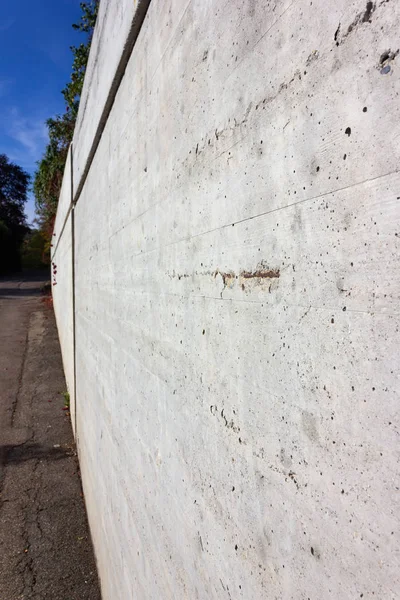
237 303
117 26
45 547
62 289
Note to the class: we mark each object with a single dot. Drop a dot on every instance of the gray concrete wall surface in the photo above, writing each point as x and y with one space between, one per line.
62 288
116 29
62 279
237 305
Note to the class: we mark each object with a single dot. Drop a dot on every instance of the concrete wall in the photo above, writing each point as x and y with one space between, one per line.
236 305
116 29
62 280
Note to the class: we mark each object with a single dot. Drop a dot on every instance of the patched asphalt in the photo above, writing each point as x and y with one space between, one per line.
45 546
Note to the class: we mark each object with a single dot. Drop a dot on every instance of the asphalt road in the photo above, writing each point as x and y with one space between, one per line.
45 546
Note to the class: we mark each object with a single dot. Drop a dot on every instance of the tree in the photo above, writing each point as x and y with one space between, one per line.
5 243
49 174
14 183
73 89
33 250
48 177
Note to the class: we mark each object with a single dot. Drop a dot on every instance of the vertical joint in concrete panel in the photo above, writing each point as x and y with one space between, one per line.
73 289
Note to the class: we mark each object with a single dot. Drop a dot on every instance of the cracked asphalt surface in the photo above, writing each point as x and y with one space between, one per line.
45 546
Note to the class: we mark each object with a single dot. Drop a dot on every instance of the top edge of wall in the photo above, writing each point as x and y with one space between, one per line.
117 27
64 203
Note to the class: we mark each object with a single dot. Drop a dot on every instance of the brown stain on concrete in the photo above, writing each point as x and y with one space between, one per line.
261 274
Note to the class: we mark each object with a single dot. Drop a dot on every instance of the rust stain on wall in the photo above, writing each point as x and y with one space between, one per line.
261 273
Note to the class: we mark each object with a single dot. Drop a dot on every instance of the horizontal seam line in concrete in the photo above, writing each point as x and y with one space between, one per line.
133 34
262 214
311 199
307 307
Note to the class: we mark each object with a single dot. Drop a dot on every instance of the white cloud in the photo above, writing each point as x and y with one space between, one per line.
29 133
23 139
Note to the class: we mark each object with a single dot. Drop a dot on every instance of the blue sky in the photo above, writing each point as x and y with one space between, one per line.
35 64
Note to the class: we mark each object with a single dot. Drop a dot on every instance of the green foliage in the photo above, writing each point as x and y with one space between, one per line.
73 89
66 399
48 177
88 17
49 174
33 250
14 183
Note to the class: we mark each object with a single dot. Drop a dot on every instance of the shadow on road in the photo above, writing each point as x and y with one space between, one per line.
19 454
28 283
45 546
20 292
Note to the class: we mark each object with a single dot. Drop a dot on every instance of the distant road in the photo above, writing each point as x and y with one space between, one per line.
45 548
